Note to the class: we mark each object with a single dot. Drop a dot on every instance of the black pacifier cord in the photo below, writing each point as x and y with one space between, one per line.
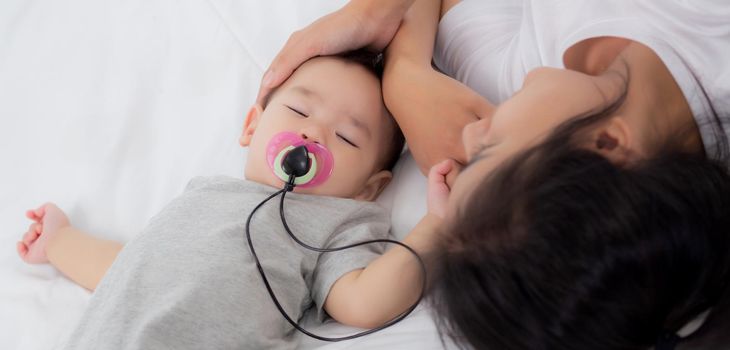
289 186
327 250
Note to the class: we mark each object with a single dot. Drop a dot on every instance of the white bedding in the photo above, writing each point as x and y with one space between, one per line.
109 107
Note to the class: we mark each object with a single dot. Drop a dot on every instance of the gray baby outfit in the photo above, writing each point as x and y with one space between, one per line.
188 281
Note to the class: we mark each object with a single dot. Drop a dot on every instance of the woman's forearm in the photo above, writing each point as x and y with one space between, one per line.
81 257
418 98
430 107
415 38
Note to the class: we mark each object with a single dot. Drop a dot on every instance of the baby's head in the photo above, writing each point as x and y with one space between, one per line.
335 101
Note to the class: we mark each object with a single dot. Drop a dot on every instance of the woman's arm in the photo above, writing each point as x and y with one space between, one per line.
51 239
430 107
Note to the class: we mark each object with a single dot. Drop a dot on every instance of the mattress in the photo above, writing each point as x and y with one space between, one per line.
108 108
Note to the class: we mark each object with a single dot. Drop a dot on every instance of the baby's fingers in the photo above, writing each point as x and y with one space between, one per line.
444 167
22 249
30 214
36 214
437 174
41 211
34 231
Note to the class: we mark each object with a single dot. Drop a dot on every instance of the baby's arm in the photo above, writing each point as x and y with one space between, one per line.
51 239
369 297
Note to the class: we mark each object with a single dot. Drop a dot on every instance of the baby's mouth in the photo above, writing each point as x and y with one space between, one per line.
321 160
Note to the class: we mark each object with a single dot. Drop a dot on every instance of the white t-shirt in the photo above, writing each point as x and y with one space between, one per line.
490 45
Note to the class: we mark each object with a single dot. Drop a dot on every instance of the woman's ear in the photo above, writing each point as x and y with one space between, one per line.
374 186
613 140
249 126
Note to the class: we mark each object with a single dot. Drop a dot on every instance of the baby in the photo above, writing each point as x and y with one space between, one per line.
188 279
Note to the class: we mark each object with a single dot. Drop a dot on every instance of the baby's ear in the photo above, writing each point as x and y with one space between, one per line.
249 126
374 186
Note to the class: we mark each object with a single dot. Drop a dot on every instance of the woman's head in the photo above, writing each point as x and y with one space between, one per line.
588 217
647 110
562 247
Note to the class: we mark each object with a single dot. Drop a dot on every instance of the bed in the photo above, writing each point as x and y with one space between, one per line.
109 107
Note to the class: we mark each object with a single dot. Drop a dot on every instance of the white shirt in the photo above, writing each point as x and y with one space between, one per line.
490 45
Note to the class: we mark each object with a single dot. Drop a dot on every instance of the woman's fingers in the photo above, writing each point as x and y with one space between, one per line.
364 23
297 49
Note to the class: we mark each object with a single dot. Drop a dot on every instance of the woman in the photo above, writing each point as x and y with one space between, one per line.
428 103
604 108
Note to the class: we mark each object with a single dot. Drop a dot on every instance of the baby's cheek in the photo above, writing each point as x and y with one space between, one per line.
342 182
257 170
339 184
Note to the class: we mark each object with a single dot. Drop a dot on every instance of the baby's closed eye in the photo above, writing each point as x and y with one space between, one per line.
297 111
347 140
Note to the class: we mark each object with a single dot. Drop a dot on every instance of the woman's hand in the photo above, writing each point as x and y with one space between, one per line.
48 221
360 23
438 188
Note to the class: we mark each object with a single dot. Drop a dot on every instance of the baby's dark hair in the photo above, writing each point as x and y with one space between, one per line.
559 248
372 61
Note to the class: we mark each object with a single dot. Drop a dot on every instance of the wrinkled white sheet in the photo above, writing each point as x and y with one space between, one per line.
109 107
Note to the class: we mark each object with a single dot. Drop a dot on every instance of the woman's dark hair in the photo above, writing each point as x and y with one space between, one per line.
559 248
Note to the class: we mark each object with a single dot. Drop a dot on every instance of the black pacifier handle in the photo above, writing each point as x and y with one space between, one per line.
296 162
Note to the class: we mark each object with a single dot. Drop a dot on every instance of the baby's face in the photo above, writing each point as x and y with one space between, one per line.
337 104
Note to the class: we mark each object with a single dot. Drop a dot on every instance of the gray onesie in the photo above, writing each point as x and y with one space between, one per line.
188 280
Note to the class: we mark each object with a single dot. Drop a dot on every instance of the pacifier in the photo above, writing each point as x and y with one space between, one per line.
319 157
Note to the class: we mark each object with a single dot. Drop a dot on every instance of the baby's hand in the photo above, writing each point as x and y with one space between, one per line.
438 189
48 220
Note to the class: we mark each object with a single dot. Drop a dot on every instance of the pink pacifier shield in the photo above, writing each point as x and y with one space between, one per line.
321 159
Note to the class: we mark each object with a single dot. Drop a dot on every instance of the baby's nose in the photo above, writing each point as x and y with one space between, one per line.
312 134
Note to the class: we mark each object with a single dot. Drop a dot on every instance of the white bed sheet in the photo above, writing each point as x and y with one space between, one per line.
109 107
